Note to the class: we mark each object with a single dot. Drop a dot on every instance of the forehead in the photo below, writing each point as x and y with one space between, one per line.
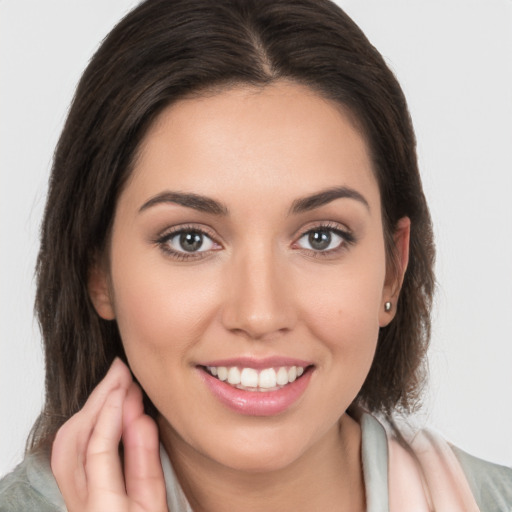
247 139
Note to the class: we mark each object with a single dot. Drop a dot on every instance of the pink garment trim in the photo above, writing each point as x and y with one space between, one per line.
427 477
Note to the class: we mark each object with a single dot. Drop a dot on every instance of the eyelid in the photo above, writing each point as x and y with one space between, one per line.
165 235
189 226
328 225
162 239
339 229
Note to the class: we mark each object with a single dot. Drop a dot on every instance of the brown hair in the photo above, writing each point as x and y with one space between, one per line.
160 52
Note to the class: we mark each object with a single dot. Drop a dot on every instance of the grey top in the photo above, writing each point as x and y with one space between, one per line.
32 487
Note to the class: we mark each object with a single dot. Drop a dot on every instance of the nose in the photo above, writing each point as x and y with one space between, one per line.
259 301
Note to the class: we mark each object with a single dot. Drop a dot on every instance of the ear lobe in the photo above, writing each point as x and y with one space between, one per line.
395 273
99 292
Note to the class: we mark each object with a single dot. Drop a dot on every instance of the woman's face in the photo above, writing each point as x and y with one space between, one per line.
249 241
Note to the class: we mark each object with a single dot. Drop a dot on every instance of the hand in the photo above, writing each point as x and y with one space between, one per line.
85 455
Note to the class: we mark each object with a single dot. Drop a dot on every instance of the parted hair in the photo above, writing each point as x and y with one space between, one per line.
165 50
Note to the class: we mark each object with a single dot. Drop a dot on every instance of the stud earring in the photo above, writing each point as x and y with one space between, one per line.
387 306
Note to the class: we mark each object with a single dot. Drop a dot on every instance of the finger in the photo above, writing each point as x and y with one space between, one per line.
69 449
118 376
103 465
67 463
144 477
133 406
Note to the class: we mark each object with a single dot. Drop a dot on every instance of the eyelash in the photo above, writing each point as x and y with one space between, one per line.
347 239
163 241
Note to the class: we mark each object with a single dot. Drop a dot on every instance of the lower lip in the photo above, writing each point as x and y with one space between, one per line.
257 403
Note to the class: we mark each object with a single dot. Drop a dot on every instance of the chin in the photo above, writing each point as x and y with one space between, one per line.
261 450
255 459
249 448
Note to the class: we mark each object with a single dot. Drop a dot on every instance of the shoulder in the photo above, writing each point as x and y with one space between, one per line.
451 470
491 484
451 478
31 486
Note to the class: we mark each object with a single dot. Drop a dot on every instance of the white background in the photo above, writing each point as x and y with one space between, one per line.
454 61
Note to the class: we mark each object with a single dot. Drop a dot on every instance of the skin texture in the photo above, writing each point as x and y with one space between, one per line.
258 289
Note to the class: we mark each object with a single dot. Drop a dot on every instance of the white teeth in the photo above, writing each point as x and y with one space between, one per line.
222 373
282 376
267 378
249 378
234 375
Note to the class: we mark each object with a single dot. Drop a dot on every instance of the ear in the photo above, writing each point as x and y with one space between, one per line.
395 273
99 290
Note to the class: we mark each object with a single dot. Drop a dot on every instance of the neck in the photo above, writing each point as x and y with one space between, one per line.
328 476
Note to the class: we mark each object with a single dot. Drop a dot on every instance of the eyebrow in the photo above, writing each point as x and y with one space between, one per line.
308 203
211 206
189 200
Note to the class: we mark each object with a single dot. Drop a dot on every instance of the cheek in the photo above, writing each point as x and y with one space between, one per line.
162 314
342 308
160 310
343 315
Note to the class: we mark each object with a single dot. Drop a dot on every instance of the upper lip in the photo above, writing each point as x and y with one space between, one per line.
258 363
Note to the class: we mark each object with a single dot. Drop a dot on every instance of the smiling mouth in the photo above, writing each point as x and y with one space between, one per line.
250 379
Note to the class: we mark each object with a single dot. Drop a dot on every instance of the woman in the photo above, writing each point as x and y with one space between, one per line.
235 212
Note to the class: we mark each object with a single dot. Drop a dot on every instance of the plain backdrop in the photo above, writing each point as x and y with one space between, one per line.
454 61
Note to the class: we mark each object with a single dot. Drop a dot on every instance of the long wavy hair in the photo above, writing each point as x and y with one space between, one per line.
165 50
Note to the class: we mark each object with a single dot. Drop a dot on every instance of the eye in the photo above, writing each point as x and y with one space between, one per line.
189 241
323 239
